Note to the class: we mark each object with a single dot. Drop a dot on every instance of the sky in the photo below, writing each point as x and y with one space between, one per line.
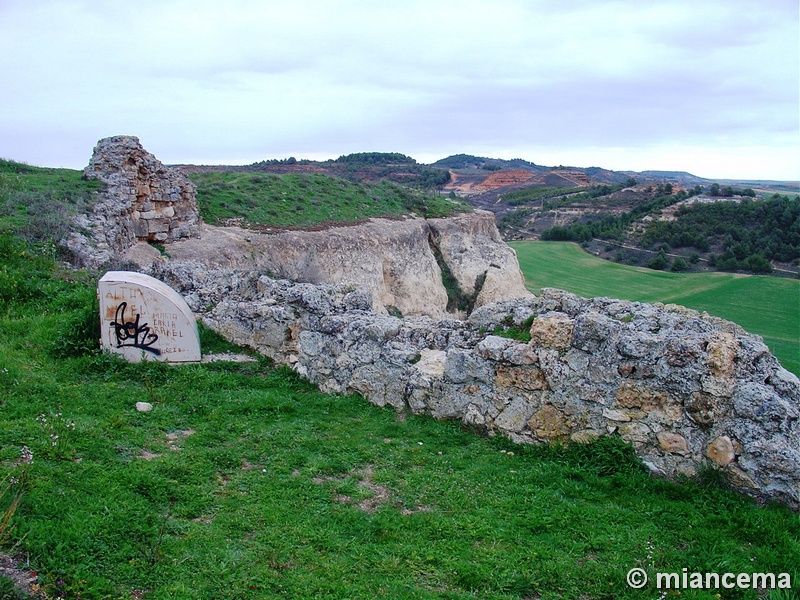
705 86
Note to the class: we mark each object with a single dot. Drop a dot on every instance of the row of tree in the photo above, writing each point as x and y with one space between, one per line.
376 158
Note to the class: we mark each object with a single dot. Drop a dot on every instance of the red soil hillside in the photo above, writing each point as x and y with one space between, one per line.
502 178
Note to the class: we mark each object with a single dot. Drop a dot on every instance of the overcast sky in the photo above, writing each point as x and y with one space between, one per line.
706 86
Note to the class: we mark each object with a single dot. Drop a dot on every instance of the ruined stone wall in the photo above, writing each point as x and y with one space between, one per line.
143 200
685 389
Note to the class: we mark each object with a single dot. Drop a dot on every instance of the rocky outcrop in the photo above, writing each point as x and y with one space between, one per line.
688 391
393 260
143 200
484 266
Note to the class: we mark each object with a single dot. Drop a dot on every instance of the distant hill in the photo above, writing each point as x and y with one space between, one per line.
467 161
673 177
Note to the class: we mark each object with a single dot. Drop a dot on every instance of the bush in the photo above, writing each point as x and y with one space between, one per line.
658 262
679 265
80 333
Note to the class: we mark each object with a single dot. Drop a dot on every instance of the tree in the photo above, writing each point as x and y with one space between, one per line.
679 265
658 262
757 263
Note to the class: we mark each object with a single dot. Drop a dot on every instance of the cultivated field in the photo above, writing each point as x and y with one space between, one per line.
767 306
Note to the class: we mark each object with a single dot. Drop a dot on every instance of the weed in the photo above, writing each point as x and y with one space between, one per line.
509 329
160 247
58 431
11 489
151 548
80 333
394 312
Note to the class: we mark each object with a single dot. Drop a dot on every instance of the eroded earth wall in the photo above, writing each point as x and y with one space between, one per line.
394 260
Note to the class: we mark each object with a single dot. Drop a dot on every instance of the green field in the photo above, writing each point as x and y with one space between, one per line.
767 306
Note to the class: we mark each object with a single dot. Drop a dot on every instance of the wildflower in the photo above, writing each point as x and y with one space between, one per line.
26 455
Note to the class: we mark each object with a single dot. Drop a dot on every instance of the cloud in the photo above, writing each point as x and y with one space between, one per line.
248 79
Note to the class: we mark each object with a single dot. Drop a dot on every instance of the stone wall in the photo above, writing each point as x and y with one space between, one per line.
685 389
143 200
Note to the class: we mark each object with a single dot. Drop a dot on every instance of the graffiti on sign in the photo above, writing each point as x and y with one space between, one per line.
130 333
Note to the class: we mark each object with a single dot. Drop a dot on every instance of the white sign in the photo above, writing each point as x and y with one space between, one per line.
142 318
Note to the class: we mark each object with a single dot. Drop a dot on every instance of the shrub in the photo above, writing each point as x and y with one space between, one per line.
658 262
678 265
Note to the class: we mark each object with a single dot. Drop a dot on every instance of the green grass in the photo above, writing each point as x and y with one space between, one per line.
245 482
767 306
36 202
305 200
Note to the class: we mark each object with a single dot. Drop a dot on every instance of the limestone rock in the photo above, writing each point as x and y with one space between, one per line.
144 407
721 451
392 260
672 442
471 246
549 423
431 362
552 330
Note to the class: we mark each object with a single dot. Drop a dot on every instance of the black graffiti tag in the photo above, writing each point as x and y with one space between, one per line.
130 333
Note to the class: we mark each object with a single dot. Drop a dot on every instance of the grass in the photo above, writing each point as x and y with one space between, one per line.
767 306
303 200
37 201
246 482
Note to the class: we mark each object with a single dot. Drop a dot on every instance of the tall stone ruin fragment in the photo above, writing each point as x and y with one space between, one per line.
143 200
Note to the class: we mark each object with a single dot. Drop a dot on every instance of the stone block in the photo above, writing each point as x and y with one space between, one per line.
631 395
552 330
140 229
549 423
672 442
158 225
721 353
515 415
616 415
431 362
634 432
720 451
524 378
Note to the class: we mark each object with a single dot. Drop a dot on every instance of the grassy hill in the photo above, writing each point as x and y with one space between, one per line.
244 482
36 202
767 306
308 199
